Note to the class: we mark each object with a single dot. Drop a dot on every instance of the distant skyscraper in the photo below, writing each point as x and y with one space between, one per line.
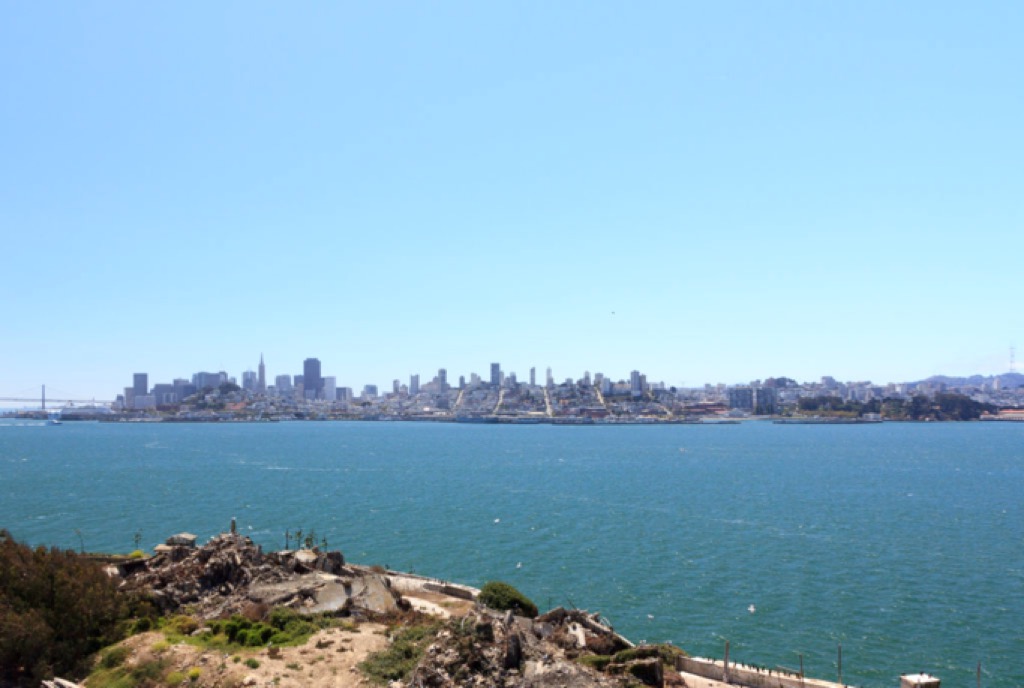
261 384
203 380
395 386
442 379
550 380
495 375
636 385
311 378
249 380
533 377
414 384
283 383
330 388
140 384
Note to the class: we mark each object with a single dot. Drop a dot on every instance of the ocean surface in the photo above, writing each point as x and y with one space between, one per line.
902 542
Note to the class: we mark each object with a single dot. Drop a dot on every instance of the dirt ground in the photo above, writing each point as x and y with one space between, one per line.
328 659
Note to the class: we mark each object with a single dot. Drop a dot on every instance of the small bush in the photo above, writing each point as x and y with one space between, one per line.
598 662
194 673
252 663
502 596
114 657
137 554
142 625
183 625
175 678
280 617
401 657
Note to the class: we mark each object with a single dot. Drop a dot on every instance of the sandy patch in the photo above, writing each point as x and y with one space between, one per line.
328 659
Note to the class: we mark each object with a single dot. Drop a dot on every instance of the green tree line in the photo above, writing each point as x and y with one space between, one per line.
56 608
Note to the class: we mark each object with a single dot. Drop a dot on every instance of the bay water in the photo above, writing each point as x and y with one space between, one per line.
904 543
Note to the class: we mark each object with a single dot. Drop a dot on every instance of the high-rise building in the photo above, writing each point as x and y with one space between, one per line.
533 377
140 384
414 384
495 375
261 384
395 386
330 388
311 379
249 380
550 380
636 385
203 380
442 379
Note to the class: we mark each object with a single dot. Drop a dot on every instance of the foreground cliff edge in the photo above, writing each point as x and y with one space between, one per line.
228 614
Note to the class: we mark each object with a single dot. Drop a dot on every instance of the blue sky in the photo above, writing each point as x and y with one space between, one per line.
706 192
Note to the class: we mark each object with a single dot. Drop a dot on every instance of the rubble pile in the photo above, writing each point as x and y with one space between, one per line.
488 649
230 574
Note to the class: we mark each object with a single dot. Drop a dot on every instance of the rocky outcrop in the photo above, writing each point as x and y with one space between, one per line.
490 649
230 574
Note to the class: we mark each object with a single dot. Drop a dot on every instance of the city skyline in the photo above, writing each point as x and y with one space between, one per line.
706 193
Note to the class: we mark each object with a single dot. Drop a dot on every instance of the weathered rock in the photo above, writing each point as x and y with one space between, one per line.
513 651
230 573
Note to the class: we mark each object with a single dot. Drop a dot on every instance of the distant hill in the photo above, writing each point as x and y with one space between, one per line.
1006 380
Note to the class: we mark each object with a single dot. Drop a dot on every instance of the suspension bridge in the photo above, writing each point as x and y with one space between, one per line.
41 399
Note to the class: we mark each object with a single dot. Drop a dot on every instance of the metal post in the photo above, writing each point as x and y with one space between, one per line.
725 664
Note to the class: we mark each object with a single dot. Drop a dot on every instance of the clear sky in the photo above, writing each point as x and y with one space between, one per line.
706 192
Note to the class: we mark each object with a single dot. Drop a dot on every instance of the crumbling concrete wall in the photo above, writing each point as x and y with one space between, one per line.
752 677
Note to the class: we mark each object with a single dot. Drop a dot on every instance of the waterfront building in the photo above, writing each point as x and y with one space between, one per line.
766 401
311 378
741 398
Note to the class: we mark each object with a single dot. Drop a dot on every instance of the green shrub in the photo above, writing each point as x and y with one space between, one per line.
142 625
280 617
194 673
114 657
498 595
175 678
397 661
183 625
252 663
598 662
137 554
